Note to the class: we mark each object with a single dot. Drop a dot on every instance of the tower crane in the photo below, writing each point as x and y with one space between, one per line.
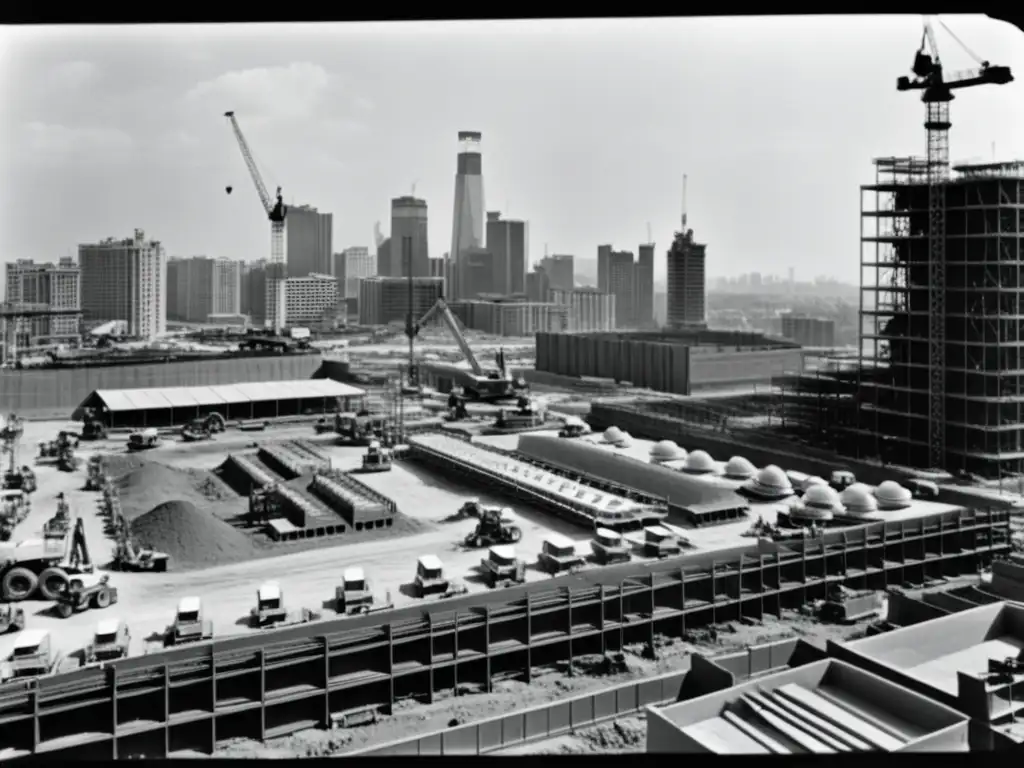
276 211
937 88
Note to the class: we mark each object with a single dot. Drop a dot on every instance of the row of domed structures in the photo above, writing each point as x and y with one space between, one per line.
819 501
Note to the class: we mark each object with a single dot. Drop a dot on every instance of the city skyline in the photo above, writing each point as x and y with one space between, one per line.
334 140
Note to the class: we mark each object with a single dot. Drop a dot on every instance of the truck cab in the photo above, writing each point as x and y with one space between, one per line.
189 625
430 578
558 555
33 654
501 567
355 594
110 641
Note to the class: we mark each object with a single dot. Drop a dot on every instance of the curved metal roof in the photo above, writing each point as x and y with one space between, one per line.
162 398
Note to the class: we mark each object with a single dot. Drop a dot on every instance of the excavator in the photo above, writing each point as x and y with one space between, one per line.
479 384
129 556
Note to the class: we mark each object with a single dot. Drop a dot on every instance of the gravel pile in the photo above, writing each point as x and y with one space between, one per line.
148 484
191 536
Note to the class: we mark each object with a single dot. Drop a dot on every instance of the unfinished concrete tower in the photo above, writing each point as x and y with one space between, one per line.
983 316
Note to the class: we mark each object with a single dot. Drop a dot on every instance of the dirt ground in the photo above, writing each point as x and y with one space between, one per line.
547 687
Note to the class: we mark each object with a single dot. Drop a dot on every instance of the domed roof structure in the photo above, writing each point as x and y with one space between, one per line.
822 497
699 463
740 468
613 435
625 441
892 495
667 450
812 481
770 483
858 500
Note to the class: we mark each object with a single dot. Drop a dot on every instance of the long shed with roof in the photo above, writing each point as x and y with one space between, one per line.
696 501
175 406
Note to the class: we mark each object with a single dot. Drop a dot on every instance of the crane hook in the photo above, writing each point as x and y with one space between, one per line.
228 189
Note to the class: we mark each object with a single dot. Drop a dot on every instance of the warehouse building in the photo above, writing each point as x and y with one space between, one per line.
176 406
671 361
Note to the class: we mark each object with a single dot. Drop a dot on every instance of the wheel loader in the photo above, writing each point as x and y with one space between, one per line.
85 592
497 526
130 557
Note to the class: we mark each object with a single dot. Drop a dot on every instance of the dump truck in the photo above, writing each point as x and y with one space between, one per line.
661 542
355 595
843 605
44 565
111 640
270 611
497 526
85 592
144 440
609 547
558 555
501 568
34 655
189 625
376 458
12 618
574 427
431 580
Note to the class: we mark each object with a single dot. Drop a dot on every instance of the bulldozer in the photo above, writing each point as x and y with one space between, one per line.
376 458
85 592
497 526
36 655
430 579
189 624
270 611
501 568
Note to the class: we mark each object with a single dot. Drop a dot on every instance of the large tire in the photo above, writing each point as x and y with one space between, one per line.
215 422
102 599
53 582
515 534
18 584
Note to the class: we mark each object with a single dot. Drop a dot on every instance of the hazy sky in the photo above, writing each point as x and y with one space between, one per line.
587 128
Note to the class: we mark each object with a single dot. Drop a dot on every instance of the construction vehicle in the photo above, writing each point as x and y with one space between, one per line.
323 425
48 452
270 611
24 479
85 592
456 408
110 641
660 542
92 427
921 489
764 530
60 524
95 479
189 625
12 618
274 208
842 479
501 568
14 508
264 504
196 430
355 595
66 459
360 428
478 384
609 547
527 415
574 426
34 655
558 555
846 606
937 93
431 580
376 458
144 440
44 565
497 526
132 557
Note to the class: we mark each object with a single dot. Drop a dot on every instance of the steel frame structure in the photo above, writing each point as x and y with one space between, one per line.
977 264
262 686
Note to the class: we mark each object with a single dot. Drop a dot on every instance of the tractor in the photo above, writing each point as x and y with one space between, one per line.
497 526
189 625
110 641
377 459
85 592
501 568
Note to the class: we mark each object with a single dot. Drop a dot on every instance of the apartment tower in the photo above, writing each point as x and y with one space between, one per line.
125 280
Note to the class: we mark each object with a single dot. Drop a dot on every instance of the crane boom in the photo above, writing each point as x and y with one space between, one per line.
441 307
275 209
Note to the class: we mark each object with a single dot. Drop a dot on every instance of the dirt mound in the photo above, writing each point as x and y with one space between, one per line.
146 484
192 537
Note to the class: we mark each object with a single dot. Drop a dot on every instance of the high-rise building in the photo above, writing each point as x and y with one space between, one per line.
808 331
174 265
561 271
384 300
55 286
538 284
308 241
643 287
468 224
687 289
349 267
200 286
409 219
384 258
253 280
310 299
589 310
478 272
125 280
630 282
508 240
227 287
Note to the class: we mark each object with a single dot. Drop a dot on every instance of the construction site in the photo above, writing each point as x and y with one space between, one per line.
441 547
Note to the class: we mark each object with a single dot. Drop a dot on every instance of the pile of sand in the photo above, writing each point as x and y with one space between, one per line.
192 537
147 484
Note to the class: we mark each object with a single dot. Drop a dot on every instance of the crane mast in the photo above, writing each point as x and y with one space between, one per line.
276 211
937 96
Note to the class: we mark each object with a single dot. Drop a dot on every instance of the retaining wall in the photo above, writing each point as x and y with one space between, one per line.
55 393
283 681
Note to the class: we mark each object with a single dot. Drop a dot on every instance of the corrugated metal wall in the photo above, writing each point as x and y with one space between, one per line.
56 393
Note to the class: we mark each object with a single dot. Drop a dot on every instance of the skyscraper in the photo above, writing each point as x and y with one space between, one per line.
468 224
686 282
200 287
351 266
409 219
643 287
308 241
125 280
508 240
